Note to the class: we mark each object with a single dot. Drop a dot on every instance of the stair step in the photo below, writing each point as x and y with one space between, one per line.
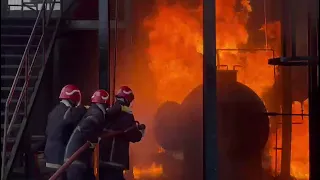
9 139
17 48
19 26
19 116
16 45
24 21
18 35
33 138
13 67
12 70
16 94
20 29
14 126
5 92
13 100
17 88
12 104
7 80
14 129
19 56
19 77
18 39
15 59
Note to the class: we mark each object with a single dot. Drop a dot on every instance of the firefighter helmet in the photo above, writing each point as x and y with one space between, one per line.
126 93
72 93
100 96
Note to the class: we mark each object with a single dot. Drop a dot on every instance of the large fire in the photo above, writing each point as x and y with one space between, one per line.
175 56
176 48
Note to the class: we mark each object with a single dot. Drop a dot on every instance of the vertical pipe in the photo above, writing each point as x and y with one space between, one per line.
265 23
210 146
56 81
314 95
4 8
44 8
115 51
286 94
293 28
22 7
276 119
129 4
61 8
218 59
104 35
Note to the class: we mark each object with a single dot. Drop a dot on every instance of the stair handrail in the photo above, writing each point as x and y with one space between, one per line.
24 61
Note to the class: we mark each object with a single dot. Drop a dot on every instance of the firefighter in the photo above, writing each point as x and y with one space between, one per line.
114 151
61 122
89 129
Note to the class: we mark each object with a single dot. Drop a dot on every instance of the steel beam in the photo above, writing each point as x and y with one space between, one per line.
93 24
104 43
210 155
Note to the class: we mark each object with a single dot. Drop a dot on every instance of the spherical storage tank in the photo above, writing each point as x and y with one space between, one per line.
243 126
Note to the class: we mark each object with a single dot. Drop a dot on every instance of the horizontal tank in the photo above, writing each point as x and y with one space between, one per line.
243 129
170 124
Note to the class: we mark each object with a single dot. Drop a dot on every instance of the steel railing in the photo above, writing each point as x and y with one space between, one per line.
26 6
43 19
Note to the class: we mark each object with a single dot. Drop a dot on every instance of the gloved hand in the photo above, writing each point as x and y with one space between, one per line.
142 129
126 109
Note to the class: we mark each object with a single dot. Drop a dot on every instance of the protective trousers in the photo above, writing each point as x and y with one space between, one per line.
51 171
109 173
80 172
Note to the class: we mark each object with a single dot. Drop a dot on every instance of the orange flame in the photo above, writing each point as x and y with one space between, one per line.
176 47
161 150
153 171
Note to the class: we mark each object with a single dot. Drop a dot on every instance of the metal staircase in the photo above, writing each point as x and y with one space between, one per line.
25 48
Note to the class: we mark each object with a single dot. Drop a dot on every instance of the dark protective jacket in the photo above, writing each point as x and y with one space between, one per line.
89 129
61 122
114 151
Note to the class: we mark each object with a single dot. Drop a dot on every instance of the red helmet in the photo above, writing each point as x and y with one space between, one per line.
100 96
126 93
71 92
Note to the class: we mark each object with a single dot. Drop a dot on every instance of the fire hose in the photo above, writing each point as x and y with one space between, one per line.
87 145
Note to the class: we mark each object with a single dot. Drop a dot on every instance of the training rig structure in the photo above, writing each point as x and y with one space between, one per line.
288 59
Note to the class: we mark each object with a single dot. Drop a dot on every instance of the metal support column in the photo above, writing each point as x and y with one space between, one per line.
56 81
286 22
104 50
314 94
210 157
4 8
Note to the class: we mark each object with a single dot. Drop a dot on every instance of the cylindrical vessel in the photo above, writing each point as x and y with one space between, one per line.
243 128
167 125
